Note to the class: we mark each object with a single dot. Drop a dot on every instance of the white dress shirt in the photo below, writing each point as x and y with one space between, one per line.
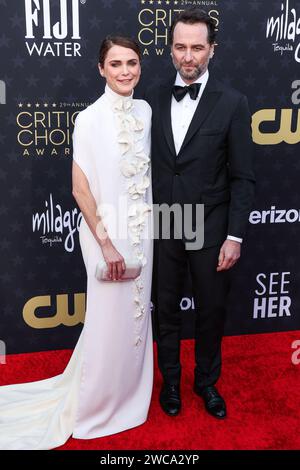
182 113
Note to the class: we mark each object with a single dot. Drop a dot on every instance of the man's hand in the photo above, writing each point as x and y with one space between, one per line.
229 254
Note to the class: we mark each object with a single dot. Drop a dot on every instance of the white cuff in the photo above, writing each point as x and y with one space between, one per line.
235 239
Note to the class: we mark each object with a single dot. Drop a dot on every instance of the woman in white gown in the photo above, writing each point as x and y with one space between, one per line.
107 384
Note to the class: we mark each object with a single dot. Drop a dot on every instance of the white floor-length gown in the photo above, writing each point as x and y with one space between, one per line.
107 384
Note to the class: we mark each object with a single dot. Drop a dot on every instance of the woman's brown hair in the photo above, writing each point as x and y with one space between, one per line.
111 41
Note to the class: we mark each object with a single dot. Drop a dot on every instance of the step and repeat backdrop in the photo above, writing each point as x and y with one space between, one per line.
48 73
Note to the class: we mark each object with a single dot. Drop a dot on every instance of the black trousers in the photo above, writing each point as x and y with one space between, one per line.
210 290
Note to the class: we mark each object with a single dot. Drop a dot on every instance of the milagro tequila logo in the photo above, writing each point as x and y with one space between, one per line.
285 31
43 21
56 225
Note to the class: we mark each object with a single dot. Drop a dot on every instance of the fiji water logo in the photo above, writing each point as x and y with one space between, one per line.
53 30
285 31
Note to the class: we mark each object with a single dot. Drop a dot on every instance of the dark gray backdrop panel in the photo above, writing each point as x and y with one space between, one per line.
41 271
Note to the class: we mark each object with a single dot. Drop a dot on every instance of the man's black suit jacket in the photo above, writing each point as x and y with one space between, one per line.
215 163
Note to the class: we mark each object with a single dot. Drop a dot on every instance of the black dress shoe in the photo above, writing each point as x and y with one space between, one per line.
170 399
214 403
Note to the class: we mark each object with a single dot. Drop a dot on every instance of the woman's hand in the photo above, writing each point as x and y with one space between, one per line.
115 262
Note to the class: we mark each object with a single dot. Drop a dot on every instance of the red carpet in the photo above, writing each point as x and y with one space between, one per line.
259 382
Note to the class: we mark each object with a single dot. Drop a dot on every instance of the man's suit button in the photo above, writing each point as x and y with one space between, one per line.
177 174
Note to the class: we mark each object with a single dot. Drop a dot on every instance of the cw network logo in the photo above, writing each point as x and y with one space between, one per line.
39 16
2 92
275 216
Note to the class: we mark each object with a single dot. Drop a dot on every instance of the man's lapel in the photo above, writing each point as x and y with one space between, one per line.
206 104
165 109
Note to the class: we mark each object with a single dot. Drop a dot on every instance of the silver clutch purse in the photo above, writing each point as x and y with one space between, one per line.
133 270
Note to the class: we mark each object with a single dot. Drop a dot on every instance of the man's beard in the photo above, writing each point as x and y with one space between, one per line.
193 75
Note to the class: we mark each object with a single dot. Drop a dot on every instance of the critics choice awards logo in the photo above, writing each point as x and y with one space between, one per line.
155 18
51 29
45 129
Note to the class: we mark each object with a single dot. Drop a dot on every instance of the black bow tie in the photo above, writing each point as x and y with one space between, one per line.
179 92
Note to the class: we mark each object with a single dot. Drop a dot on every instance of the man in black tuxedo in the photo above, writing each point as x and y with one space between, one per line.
201 154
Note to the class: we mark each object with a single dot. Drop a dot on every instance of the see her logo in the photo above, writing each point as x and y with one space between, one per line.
296 354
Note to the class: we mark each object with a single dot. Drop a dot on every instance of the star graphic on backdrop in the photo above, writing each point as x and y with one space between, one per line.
41 259
262 62
20 100
51 173
17 20
44 62
18 260
15 191
5 278
83 80
65 190
3 3
32 81
286 61
85 44
20 293
26 174
15 226
57 81
27 209
29 243
93 63
3 174
231 5
263 25
5 244
39 191
18 61
95 22
228 43
267 150
272 80
70 98
55 274
3 209
250 80
255 5
240 62
132 4
120 23
107 3
252 44
71 63
13 156
30 276
241 25
45 99
4 40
